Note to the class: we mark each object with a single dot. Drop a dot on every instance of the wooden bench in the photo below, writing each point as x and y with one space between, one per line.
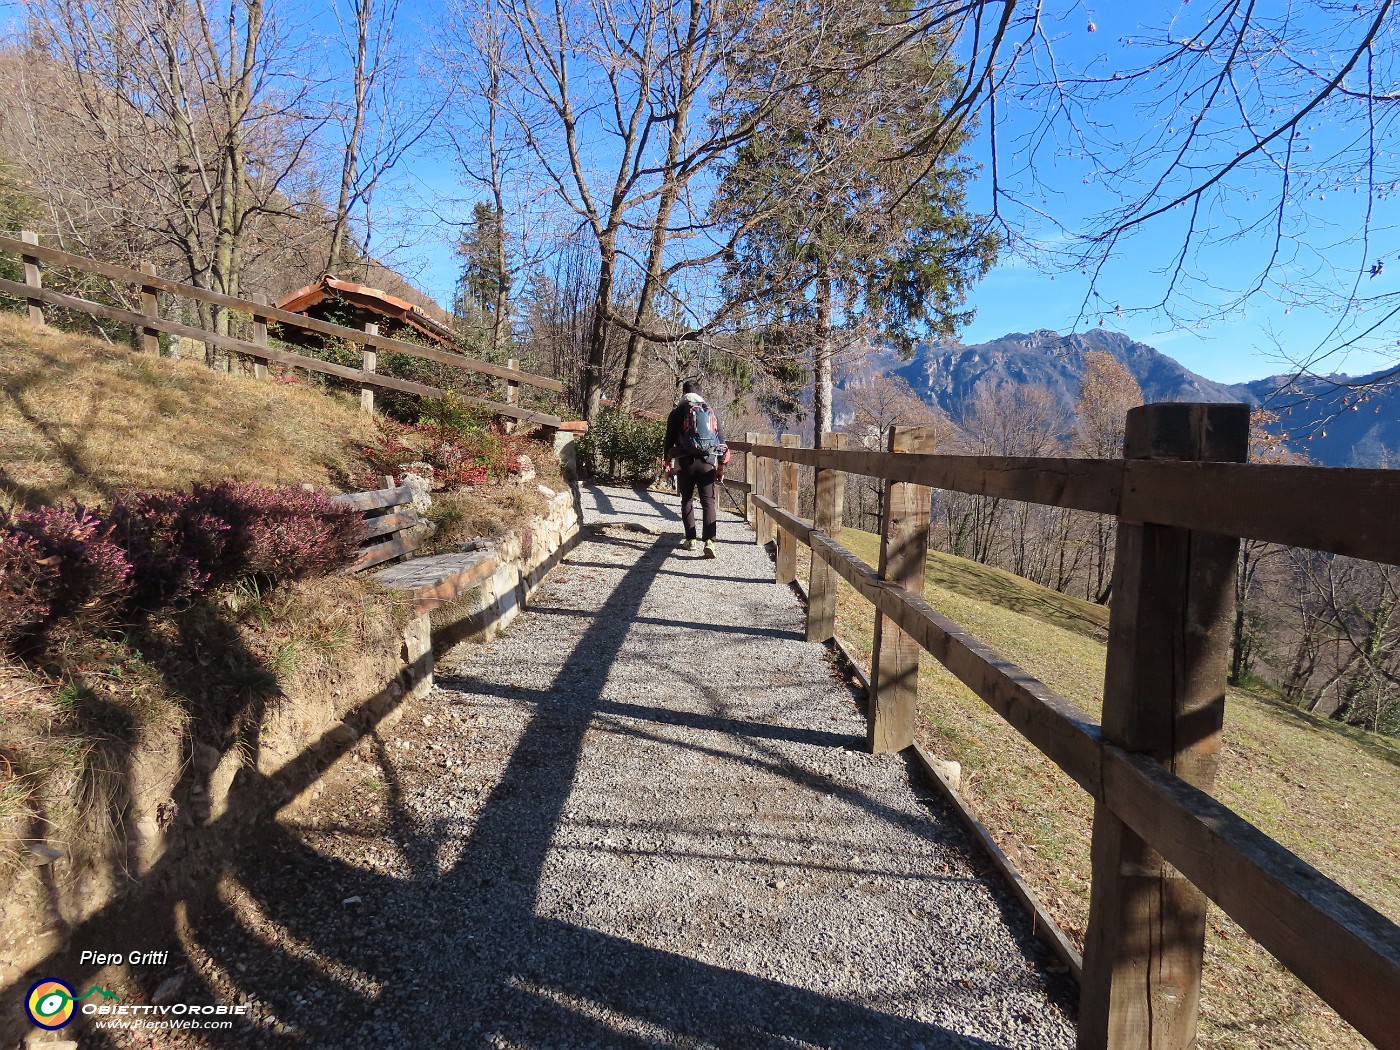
393 530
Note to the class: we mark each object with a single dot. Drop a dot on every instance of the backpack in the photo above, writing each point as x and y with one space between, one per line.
699 434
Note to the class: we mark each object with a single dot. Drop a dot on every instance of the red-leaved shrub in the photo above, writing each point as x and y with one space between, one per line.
187 542
172 543
26 580
92 575
457 457
281 533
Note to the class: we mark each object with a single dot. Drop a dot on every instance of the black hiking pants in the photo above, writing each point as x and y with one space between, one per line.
694 472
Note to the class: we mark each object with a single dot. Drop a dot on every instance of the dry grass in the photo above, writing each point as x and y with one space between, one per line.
1329 793
84 420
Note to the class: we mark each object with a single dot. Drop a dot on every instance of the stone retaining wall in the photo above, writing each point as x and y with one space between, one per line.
188 804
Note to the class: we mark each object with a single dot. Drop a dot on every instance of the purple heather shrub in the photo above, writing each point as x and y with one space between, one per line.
27 577
172 542
281 533
93 575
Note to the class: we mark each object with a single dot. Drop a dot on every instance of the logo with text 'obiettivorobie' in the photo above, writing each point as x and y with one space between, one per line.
51 1003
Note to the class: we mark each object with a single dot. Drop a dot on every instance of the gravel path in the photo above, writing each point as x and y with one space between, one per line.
640 818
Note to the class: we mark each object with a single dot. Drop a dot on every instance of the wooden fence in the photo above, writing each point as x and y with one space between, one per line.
1161 844
147 322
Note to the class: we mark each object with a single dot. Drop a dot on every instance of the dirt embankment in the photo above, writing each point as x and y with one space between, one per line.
135 760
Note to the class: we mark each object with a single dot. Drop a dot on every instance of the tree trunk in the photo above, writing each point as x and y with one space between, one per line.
822 385
350 161
593 371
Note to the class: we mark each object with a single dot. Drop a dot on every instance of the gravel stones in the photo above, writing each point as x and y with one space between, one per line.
642 817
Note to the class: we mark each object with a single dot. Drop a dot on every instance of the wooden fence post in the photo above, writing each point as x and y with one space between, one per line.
147 340
369 361
1164 696
762 486
512 396
826 517
786 562
750 459
33 277
894 664
259 335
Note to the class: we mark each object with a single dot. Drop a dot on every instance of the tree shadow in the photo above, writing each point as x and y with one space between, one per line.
452 952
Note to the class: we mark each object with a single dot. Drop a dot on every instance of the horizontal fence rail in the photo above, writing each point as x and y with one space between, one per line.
264 313
1144 947
1342 510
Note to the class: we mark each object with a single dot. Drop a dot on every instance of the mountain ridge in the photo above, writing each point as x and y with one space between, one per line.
1323 418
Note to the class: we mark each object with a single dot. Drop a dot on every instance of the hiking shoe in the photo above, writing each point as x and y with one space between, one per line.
688 545
709 548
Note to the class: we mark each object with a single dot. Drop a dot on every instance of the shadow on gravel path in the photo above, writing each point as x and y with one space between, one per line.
453 939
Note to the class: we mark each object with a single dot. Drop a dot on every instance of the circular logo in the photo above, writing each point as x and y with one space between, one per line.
50 1003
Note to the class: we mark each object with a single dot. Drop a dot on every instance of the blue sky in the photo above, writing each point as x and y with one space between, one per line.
1264 336
415 211
1322 246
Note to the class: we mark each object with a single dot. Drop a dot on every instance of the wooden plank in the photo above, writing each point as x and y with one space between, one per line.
144 339
1164 698
1342 510
241 346
763 486
259 336
785 564
828 504
375 498
512 390
387 523
1340 947
33 274
1082 484
1042 922
369 360
894 665
310 324
751 479
439 578
402 543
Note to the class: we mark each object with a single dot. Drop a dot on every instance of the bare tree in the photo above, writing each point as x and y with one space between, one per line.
1346 664
1013 420
1106 392
195 113
379 123
878 402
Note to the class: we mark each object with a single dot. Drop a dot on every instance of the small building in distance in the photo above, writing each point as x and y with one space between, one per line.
356 305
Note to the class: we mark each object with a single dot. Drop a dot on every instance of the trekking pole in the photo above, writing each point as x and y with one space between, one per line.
732 498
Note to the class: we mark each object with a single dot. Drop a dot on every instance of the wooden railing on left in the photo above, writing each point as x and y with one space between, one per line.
146 322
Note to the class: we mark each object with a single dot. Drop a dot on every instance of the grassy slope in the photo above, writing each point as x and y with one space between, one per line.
80 419
1329 793
83 420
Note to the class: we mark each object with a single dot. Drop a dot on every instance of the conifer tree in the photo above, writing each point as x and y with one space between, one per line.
848 233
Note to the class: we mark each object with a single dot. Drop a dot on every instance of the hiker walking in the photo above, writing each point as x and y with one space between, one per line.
695 453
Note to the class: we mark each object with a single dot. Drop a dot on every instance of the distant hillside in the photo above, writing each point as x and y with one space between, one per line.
1325 421
950 375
